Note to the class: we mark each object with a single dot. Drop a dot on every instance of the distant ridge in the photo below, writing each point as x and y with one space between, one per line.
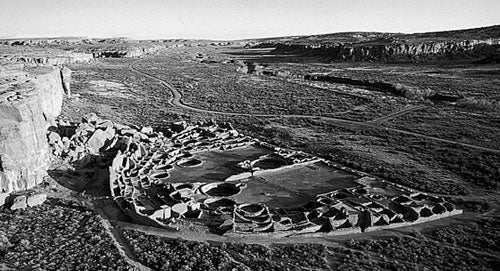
461 34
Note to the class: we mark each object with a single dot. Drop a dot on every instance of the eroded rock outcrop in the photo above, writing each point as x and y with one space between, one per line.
393 51
38 59
30 99
126 52
45 41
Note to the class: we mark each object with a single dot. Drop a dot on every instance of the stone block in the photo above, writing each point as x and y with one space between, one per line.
91 118
97 141
36 199
84 128
53 138
3 198
180 208
19 202
148 130
105 124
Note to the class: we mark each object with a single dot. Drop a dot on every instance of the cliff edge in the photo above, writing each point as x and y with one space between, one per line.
30 99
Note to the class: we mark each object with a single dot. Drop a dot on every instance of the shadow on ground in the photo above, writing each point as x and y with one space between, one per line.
90 177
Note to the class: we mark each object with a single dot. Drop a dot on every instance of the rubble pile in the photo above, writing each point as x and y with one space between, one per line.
94 138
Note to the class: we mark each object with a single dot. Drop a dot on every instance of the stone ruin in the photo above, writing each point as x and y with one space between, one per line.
142 162
141 184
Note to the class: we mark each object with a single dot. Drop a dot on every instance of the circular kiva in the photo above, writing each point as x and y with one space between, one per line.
220 189
164 167
186 155
193 162
260 219
158 175
180 186
269 163
159 157
251 209
214 203
326 201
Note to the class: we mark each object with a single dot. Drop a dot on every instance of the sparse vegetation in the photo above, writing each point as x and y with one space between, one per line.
415 252
483 235
175 254
167 254
59 235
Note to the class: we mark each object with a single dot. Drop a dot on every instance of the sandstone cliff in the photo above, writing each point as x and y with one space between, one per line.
393 51
125 51
376 46
53 60
30 99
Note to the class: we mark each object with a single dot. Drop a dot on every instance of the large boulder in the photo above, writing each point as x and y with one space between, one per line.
98 140
36 199
3 198
20 202
180 208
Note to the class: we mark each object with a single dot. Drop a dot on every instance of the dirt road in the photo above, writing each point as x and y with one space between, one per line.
176 100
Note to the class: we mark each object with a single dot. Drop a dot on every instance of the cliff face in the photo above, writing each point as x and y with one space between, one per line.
51 60
29 102
45 41
128 52
391 51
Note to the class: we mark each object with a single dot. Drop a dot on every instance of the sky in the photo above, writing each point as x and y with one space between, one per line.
237 19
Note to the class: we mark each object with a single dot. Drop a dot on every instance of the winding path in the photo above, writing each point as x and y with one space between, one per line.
176 100
404 111
123 247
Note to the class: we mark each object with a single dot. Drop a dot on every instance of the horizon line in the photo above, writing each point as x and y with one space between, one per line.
138 38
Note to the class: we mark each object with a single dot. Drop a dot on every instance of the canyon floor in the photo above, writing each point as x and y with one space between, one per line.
446 144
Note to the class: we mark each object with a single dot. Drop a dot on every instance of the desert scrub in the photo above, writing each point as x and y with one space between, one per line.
59 234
